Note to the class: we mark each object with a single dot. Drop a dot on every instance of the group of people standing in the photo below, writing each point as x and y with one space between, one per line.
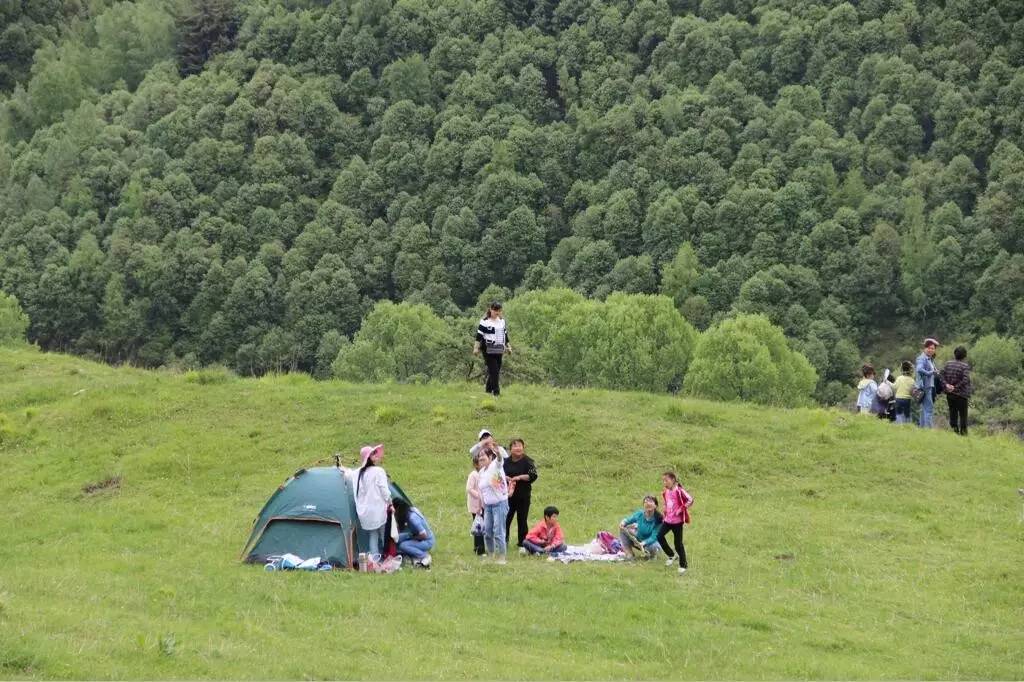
500 487
921 381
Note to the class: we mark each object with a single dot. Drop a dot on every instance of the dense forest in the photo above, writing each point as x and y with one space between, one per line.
240 182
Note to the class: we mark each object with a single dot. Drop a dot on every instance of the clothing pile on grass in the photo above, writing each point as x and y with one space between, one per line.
604 547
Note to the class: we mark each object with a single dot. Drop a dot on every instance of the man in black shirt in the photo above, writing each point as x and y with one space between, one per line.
522 472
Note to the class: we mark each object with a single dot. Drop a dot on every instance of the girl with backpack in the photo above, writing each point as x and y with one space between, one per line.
677 512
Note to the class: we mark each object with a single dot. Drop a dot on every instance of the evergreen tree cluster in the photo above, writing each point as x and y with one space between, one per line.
242 181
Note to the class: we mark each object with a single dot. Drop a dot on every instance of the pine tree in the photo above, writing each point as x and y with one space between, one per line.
207 29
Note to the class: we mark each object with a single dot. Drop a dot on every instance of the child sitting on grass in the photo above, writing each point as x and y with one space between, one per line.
639 532
546 537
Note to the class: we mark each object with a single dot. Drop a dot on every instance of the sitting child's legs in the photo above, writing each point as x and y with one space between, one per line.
532 547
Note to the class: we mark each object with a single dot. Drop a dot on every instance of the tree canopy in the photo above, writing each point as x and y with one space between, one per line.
242 181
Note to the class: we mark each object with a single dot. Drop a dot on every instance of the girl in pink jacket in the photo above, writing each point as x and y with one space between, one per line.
677 512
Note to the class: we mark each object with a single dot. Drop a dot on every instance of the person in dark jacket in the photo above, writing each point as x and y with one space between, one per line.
956 374
521 473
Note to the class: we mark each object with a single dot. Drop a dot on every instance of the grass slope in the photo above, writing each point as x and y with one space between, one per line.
905 546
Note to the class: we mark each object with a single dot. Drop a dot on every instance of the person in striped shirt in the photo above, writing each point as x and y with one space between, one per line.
492 340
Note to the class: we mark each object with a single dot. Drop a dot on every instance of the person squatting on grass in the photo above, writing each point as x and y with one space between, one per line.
904 391
677 512
474 503
521 473
492 339
546 537
494 495
415 539
639 531
373 496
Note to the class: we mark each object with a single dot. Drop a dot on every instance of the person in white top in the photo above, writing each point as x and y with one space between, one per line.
494 495
492 340
373 496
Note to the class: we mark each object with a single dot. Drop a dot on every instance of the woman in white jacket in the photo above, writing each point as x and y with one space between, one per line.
373 496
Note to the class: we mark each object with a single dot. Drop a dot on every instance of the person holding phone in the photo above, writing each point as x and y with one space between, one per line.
492 340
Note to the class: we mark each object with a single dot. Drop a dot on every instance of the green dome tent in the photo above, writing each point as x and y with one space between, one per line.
311 514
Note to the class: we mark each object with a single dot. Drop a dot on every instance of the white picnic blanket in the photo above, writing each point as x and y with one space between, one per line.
592 551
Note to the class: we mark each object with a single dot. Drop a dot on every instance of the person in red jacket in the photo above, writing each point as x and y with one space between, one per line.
677 512
546 537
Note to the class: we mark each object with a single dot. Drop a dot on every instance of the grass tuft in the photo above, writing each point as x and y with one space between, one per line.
210 376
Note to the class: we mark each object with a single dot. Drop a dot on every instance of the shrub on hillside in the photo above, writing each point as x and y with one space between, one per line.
13 321
534 315
747 358
396 341
997 356
628 341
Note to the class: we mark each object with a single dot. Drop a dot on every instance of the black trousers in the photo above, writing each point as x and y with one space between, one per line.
957 413
518 505
478 540
493 372
677 537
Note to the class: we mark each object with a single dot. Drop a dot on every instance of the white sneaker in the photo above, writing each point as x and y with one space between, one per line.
669 562
501 561
682 571
425 561
522 551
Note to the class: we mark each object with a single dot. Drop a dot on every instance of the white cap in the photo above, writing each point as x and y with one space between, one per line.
483 432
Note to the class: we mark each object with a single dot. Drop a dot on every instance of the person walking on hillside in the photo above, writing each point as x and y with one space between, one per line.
521 473
956 374
492 340
924 381
373 496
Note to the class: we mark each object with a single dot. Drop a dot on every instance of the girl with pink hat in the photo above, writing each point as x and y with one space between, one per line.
373 496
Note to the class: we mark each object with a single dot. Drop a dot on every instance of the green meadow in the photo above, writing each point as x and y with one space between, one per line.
823 545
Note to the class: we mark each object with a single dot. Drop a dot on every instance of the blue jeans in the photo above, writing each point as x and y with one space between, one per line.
494 527
417 549
376 543
927 408
534 548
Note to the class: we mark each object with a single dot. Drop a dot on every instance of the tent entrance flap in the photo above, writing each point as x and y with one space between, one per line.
306 539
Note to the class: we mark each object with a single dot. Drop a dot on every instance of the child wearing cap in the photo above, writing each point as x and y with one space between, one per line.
485 440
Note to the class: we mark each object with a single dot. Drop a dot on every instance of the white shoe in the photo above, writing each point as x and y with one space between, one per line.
425 561
522 551
501 562
669 562
682 571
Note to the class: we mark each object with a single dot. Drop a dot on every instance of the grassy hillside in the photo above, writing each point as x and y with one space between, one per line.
823 545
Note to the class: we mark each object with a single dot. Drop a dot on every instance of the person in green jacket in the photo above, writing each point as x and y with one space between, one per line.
639 531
